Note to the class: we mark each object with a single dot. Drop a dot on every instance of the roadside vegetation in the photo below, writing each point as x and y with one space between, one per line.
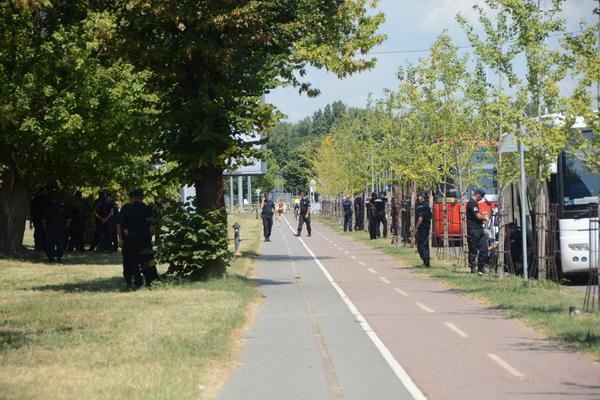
540 304
70 331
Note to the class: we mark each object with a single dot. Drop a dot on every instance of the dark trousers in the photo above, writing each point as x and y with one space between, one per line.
55 240
373 227
267 220
137 260
348 222
39 234
302 219
109 233
382 219
77 230
478 248
97 239
359 221
423 245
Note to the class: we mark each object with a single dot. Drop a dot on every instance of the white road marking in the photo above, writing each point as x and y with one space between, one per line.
353 257
424 307
341 248
362 263
406 380
346 252
511 370
382 279
371 270
456 329
402 292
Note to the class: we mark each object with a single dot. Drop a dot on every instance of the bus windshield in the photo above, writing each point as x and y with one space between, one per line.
580 185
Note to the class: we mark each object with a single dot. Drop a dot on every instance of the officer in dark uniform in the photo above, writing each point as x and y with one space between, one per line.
100 213
37 208
137 237
405 215
373 222
476 237
304 216
381 217
347 206
110 226
268 208
77 226
422 226
359 212
127 271
57 218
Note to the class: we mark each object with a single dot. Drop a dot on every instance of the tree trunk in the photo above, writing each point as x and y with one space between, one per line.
210 195
15 196
445 222
542 222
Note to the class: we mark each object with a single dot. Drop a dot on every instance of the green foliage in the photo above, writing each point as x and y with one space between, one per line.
191 240
293 145
71 112
213 60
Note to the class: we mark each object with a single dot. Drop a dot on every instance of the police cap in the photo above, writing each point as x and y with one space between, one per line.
480 192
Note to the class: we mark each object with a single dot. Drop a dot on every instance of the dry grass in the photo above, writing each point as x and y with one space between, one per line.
70 332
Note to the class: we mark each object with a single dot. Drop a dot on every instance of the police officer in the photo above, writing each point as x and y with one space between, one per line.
359 212
422 226
77 226
304 215
372 211
137 237
381 217
57 218
100 213
476 237
37 208
347 206
127 271
268 208
405 215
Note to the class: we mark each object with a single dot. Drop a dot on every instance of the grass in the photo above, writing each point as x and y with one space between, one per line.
69 331
541 305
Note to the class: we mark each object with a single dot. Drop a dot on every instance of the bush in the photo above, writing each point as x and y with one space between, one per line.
192 242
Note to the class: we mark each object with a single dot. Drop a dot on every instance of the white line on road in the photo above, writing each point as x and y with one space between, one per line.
402 292
353 257
371 270
512 370
424 307
346 252
362 263
456 329
341 248
406 380
382 279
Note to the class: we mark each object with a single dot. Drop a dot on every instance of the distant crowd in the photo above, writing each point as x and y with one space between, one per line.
59 225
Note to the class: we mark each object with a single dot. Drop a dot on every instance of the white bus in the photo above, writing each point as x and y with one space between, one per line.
575 189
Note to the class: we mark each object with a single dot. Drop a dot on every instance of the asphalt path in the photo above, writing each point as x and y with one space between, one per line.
343 321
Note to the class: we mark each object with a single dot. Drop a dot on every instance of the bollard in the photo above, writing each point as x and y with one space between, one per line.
237 239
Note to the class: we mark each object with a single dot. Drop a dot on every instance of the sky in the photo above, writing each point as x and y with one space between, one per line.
410 25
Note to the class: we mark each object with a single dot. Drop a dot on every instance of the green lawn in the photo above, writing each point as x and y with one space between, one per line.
542 305
70 331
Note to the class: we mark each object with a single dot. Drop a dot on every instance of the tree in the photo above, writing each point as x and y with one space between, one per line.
213 60
72 111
